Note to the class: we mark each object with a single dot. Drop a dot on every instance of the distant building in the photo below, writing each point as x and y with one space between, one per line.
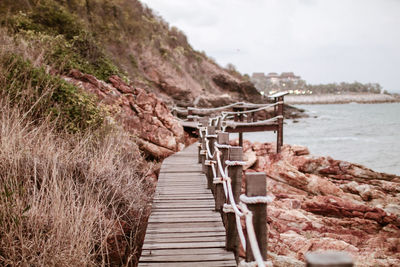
274 81
273 78
289 77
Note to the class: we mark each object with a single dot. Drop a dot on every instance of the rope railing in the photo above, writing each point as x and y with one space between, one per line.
220 175
223 169
264 107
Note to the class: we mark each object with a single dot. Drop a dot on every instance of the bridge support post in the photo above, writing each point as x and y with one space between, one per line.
200 156
203 155
209 172
235 173
256 185
279 141
222 139
190 114
328 259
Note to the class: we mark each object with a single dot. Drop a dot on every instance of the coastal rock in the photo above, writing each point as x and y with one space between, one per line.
157 132
323 204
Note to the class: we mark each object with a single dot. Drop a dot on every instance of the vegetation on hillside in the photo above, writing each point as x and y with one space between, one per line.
73 187
73 184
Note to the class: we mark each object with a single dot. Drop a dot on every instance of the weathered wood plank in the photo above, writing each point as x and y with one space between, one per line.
184 251
155 235
187 258
183 220
179 239
191 264
183 228
216 244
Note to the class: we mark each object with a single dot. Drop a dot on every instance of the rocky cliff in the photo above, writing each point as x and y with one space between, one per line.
142 114
321 204
125 38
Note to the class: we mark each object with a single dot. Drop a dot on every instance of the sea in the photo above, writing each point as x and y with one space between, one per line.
367 134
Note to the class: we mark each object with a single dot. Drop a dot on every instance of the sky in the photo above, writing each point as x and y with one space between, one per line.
323 41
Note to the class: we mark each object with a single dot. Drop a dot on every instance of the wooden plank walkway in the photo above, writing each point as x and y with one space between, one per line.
183 228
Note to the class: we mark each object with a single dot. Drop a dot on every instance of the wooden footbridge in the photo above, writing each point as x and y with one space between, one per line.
199 216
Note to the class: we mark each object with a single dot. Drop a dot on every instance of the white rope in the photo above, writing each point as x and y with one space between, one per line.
235 163
218 180
233 125
252 235
241 209
222 145
252 110
210 156
255 200
216 109
227 208
240 231
243 263
211 136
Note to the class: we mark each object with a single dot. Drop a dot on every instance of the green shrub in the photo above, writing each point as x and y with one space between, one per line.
73 47
43 95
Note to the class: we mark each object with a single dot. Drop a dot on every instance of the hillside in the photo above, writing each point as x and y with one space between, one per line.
103 37
85 91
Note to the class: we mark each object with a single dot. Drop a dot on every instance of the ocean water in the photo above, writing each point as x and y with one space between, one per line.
368 134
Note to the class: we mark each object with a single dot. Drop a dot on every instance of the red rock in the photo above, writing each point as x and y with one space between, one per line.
321 203
141 113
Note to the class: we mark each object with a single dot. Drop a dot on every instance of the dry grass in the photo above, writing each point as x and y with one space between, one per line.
67 200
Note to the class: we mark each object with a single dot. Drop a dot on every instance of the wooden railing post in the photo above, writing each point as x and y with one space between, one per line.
235 173
222 139
204 152
190 114
241 117
201 134
328 259
279 139
209 172
256 185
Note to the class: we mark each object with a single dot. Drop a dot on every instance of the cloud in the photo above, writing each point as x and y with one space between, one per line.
321 40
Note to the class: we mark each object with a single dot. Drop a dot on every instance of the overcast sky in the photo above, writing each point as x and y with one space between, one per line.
320 40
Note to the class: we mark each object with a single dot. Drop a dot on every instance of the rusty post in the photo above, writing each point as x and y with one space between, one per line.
256 185
328 259
279 139
209 172
235 173
222 139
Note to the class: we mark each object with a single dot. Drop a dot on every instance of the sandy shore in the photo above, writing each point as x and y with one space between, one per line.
340 99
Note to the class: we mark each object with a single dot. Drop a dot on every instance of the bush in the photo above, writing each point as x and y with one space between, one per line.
42 95
71 45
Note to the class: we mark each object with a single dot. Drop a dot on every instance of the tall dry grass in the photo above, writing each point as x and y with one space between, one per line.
67 200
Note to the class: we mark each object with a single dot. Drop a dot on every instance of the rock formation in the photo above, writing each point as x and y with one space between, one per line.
321 204
157 132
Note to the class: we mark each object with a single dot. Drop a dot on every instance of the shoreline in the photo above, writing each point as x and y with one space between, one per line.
340 99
